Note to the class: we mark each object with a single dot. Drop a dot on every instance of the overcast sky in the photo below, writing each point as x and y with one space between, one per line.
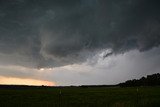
76 42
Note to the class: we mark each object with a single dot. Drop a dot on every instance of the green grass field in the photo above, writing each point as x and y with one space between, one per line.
81 97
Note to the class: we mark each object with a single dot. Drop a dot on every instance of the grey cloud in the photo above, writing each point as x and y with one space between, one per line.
111 70
19 72
56 33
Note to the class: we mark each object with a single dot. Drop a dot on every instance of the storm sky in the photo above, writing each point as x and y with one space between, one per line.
76 42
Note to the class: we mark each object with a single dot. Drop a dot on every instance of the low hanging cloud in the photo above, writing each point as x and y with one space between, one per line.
111 70
47 33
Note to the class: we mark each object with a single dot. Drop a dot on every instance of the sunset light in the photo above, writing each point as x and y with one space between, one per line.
19 81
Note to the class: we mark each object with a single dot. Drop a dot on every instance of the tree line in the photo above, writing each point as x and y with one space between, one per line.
149 80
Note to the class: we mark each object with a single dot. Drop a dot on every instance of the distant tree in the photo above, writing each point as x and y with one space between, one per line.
150 80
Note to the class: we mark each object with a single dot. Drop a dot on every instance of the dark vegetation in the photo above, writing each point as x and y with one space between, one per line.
148 95
149 80
80 97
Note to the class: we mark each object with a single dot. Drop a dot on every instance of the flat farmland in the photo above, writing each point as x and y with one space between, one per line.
80 97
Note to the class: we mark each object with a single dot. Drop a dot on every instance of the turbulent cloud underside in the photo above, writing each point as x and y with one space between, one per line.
53 33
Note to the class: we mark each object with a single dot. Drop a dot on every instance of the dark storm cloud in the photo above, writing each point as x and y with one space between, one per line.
60 32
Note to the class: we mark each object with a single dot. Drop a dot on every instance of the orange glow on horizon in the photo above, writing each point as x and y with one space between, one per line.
19 81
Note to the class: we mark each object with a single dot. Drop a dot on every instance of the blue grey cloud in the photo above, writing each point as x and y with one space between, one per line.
50 33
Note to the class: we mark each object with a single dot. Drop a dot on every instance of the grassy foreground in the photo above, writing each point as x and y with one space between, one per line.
80 97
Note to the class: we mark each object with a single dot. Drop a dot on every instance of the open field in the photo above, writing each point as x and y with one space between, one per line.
80 97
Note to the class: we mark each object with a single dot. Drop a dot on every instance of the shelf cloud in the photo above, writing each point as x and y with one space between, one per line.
46 33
